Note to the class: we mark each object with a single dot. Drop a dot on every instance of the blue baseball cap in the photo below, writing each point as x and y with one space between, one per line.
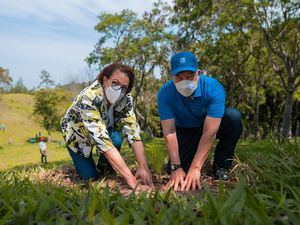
183 61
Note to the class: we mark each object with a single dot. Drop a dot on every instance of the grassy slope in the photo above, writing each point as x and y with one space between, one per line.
15 113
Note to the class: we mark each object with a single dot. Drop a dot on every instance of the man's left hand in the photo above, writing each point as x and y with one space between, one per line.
192 180
145 175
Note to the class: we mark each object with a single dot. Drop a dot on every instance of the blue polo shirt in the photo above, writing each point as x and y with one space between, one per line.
207 100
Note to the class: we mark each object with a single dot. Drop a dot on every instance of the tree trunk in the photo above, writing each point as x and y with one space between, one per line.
287 115
297 129
256 116
230 88
138 91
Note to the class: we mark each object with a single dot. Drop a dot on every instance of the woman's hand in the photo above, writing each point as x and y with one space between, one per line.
145 175
134 185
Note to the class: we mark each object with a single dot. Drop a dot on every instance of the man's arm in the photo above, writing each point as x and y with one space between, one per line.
211 127
169 131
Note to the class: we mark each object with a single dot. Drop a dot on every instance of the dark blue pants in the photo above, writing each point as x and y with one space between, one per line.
86 167
228 135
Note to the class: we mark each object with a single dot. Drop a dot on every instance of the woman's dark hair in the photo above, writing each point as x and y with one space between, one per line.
110 69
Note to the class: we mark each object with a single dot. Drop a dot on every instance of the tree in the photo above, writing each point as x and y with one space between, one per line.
45 80
47 109
226 35
141 43
279 23
19 87
5 79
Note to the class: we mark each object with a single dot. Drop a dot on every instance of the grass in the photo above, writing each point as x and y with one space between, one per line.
272 196
268 191
16 113
20 155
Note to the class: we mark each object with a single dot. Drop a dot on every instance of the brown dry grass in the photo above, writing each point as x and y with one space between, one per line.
66 176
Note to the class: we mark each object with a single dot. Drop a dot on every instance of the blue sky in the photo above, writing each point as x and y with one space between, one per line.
53 35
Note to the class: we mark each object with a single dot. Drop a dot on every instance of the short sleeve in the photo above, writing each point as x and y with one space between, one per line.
164 109
131 128
216 101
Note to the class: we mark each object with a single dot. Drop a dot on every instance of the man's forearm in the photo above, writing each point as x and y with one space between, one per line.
203 149
139 152
172 147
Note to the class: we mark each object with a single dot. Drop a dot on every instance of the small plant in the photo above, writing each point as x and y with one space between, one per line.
156 155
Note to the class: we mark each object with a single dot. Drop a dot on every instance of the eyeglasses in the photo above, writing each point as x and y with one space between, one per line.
115 84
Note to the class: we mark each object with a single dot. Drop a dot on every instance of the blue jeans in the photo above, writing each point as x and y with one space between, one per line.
86 167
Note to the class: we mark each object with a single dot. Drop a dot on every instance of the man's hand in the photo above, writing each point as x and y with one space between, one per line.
145 175
192 180
176 179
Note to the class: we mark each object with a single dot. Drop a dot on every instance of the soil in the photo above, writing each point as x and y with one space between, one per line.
66 176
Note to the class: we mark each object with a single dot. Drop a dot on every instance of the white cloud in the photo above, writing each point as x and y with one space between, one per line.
53 35
72 11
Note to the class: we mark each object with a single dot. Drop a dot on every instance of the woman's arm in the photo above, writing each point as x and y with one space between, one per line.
116 160
96 127
131 129
143 171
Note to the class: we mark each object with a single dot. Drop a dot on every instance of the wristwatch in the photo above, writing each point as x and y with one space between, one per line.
175 166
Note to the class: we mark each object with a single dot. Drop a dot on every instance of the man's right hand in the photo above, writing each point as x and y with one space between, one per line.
176 179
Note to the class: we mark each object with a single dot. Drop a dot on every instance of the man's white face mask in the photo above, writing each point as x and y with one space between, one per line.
112 95
186 87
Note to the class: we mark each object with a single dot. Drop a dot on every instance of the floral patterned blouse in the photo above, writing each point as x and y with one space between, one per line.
85 122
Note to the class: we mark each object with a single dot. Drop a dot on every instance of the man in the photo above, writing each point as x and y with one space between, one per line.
192 112
43 147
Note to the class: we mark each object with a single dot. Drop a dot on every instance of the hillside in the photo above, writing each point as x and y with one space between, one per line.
16 113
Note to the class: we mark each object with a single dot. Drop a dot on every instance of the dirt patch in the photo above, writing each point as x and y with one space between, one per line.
66 176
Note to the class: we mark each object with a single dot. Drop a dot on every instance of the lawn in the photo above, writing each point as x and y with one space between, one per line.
268 192
16 113
265 188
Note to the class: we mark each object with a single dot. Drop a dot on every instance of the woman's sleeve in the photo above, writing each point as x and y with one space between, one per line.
131 128
94 124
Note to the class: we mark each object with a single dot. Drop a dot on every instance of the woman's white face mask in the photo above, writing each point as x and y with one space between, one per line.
112 95
186 87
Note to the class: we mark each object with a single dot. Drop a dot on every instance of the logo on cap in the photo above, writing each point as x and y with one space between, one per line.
182 60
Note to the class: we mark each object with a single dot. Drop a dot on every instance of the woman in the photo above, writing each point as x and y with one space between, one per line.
91 120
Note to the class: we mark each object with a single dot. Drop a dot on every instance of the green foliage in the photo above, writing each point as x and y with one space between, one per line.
47 108
156 155
281 169
272 198
141 43
248 46
251 47
19 87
